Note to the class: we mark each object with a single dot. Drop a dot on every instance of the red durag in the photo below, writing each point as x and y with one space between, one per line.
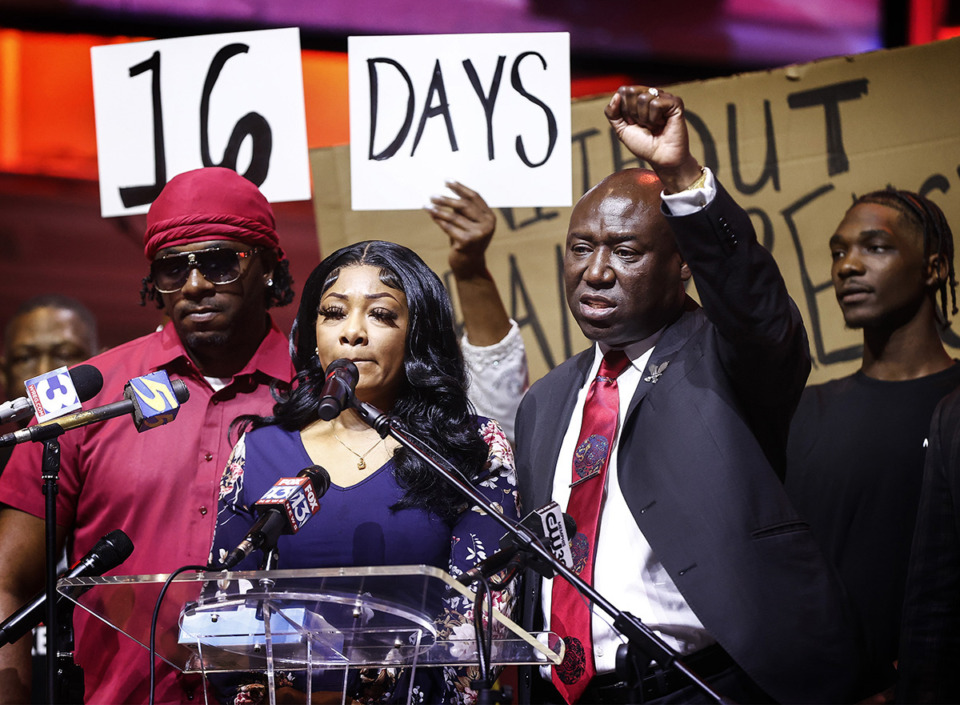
209 204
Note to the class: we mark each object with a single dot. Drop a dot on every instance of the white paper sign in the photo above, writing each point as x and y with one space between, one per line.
489 110
168 106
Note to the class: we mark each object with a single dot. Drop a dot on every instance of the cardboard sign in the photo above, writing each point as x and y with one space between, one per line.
168 106
792 146
489 109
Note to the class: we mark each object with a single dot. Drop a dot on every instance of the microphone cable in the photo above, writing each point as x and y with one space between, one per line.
484 634
153 624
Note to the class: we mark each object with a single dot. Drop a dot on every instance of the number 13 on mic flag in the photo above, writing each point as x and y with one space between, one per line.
155 403
295 496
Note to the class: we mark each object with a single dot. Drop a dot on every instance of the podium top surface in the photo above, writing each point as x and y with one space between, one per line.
329 617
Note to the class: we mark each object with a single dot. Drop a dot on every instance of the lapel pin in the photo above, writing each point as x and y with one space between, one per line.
656 372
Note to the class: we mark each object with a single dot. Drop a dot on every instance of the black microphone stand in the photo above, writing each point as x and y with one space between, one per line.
638 634
50 471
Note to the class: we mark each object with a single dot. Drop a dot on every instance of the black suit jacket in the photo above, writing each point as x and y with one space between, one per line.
930 635
699 457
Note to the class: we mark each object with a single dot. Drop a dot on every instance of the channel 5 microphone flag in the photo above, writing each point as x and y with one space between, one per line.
154 400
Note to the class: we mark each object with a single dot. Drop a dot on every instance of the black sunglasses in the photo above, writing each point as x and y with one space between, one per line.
218 265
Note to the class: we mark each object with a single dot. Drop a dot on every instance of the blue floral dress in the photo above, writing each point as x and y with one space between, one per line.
356 527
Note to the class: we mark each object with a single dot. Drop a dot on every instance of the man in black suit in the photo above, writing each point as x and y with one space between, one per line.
696 536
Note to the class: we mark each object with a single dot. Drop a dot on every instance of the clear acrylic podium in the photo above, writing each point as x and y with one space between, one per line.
303 620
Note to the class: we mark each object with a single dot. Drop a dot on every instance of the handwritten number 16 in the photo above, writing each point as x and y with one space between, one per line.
252 124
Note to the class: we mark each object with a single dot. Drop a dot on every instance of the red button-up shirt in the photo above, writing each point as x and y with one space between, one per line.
160 487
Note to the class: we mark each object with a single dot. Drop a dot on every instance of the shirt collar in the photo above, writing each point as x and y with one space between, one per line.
634 351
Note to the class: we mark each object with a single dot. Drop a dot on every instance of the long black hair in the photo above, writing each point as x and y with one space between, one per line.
432 402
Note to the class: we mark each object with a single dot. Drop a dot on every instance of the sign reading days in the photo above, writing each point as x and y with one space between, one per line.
168 106
489 110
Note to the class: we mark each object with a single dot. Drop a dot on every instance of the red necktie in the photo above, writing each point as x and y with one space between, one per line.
569 613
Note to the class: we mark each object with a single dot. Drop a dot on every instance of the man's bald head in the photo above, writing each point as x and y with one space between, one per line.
623 273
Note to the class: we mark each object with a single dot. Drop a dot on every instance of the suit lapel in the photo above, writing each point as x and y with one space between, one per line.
671 341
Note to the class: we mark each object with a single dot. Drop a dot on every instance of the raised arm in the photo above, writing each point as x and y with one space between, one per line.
738 281
493 349
469 223
761 341
651 124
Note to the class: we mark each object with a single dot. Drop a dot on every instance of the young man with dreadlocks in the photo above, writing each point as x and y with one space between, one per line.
856 449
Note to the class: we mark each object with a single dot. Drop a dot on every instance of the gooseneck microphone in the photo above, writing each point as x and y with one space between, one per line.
109 552
152 400
87 382
547 523
283 509
341 380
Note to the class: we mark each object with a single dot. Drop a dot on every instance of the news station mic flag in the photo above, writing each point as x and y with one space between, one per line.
550 525
284 509
153 400
54 394
156 399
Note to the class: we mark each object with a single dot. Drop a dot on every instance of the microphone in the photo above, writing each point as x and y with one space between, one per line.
16 410
341 380
110 551
153 400
54 393
283 509
548 523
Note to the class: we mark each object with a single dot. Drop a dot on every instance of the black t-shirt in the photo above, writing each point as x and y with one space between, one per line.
854 469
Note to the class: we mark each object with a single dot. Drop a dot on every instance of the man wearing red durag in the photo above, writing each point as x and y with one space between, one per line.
216 267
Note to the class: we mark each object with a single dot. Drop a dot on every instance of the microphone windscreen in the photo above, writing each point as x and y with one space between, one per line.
180 390
320 478
347 366
87 380
112 550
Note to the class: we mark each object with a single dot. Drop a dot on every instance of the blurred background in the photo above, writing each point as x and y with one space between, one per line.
52 238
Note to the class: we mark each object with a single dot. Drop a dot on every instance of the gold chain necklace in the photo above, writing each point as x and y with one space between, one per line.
361 464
